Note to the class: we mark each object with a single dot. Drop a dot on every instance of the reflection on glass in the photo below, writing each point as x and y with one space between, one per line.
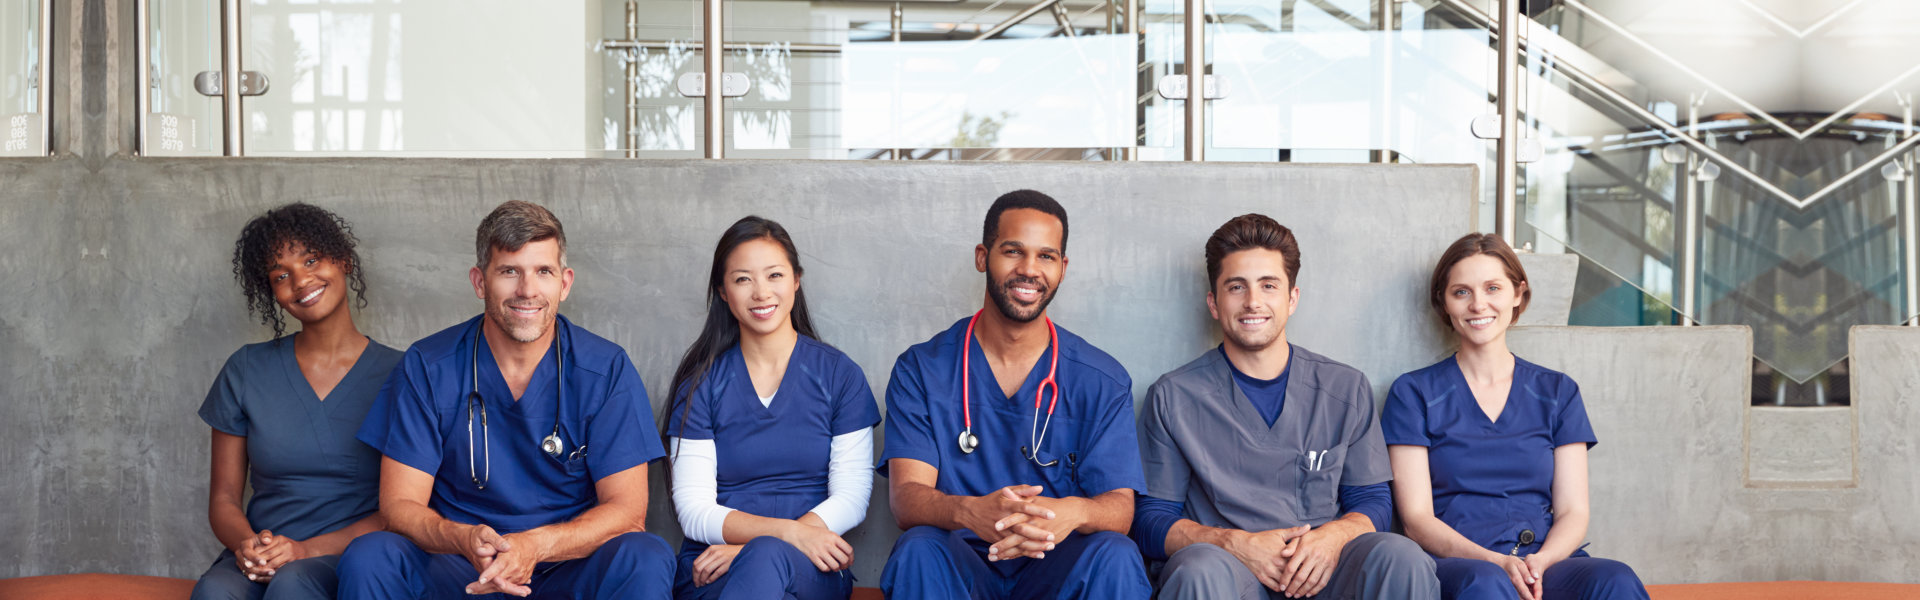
829 80
184 42
20 133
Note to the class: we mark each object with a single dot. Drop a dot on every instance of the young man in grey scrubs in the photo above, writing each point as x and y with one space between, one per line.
1266 474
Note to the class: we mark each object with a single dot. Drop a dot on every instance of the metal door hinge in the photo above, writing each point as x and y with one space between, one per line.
252 83
732 85
1174 87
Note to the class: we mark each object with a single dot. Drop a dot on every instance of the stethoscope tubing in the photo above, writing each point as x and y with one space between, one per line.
551 444
966 392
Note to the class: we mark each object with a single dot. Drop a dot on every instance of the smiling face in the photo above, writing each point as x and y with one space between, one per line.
523 289
1024 265
1481 300
759 287
306 285
1253 298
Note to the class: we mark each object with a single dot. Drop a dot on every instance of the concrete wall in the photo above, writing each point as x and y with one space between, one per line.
123 306
1692 484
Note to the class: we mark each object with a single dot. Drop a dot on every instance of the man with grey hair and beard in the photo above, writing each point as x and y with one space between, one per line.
514 446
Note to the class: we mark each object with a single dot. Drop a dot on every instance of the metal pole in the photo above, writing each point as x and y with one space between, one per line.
1131 21
1686 231
231 118
46 77
143 75
1910 225
633 81
1507 97
713 53
897 23
1196 142
1383 45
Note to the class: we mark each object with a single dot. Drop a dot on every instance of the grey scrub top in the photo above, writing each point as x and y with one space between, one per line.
1203 443
309 475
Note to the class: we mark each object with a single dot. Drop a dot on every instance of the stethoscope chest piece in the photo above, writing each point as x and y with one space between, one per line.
551 445
968 442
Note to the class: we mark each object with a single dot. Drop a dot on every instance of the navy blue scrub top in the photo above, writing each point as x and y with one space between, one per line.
309 476
1491 478
421 421
773 459
1092 434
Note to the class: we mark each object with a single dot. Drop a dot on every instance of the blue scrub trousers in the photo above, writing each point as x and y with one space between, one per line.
1579 578
766 567
384 565
304 579
932 563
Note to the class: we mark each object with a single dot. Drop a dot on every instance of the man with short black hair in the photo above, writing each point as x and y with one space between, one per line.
1266 474
515 445
1010 442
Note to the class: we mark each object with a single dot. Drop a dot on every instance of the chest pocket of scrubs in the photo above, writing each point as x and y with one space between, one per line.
1064 444
1320 482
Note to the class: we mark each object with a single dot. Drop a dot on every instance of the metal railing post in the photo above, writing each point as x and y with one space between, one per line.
1506 163
1196 58
45 99
712 59
1686 221
230 115
633 81
1909 224
143 75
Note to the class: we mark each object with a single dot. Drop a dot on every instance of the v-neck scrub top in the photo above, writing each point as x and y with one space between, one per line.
773 459
1207 446
309 475
1092 433
421 420
1492 478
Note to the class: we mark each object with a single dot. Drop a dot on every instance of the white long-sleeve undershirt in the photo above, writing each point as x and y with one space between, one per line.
696 490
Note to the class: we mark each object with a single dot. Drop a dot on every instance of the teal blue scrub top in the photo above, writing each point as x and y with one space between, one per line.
309 475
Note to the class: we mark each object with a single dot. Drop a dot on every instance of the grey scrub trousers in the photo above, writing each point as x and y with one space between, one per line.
1204 444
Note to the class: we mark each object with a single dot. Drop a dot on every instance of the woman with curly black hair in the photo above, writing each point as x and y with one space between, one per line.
284 413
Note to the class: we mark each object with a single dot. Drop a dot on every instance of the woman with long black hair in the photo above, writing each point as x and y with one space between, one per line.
284 412
770 432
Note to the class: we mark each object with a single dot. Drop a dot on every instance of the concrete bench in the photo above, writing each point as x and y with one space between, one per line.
92 586
98 586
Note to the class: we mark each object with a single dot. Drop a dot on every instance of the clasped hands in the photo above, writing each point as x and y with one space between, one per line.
1297 562
505 562
1019 522
1527 573
826 549
264 553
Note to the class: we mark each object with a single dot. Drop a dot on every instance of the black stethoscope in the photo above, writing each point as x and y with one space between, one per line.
551 444
968 441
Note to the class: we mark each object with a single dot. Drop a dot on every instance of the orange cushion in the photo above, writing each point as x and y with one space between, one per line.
1784 590
91 586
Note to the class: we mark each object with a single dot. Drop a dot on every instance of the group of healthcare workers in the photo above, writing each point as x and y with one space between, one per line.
507 455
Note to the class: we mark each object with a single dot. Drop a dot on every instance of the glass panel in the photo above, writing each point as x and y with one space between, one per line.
1349 74
20 64
475 78
829 81
184 42
655 121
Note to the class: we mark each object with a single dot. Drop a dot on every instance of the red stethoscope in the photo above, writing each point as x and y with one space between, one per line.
1037 434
